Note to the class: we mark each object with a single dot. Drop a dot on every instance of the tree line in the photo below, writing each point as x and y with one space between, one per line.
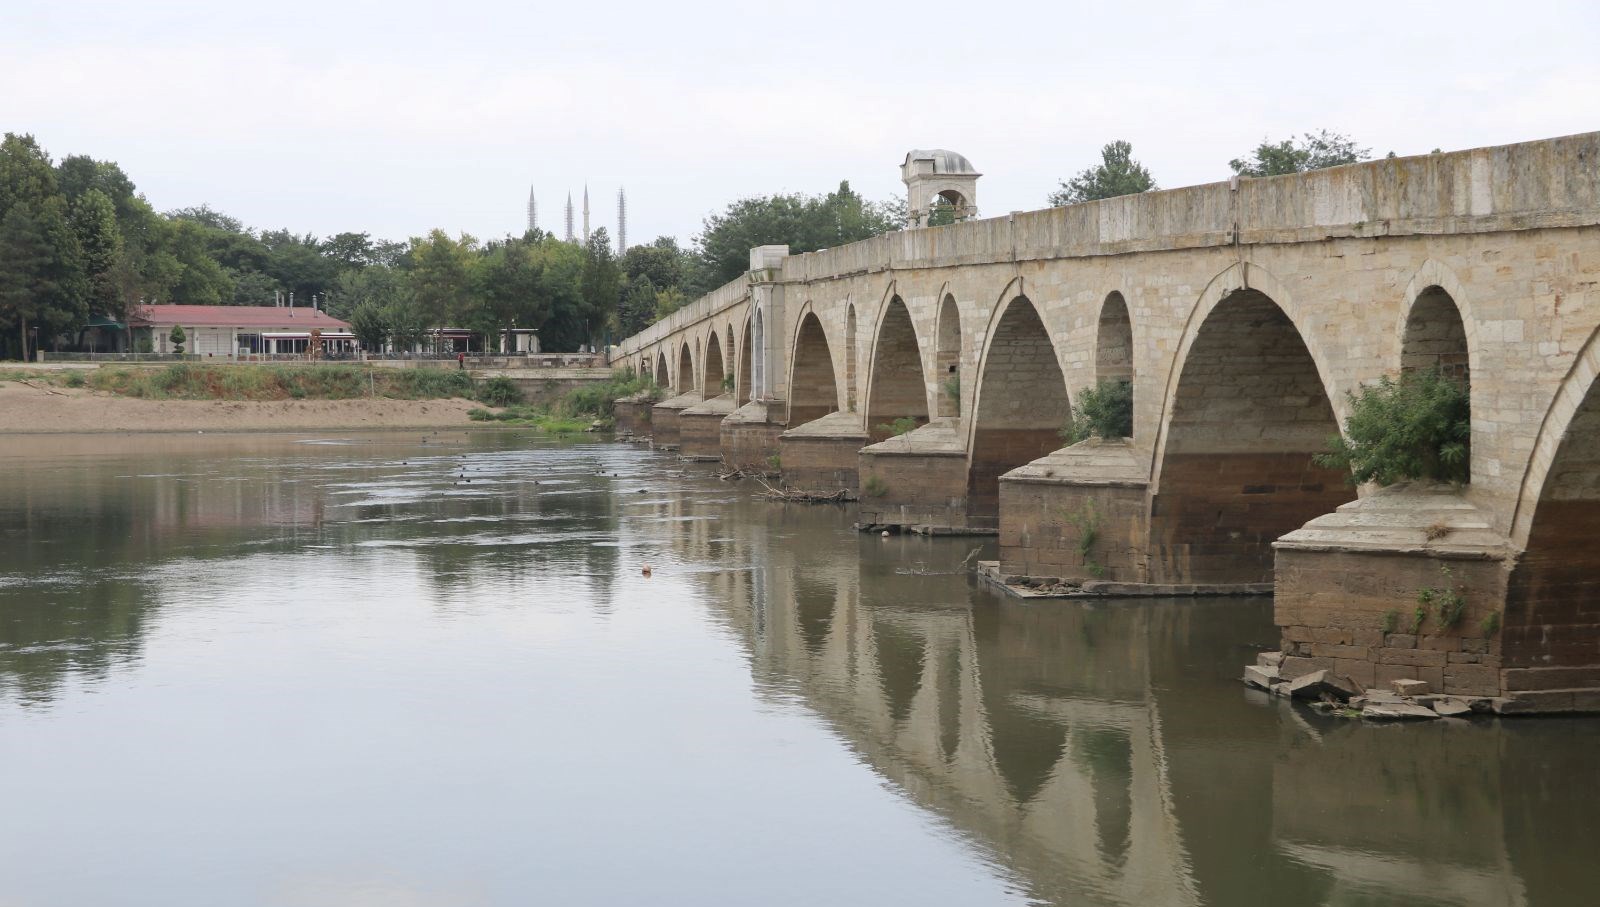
78 241
1119 174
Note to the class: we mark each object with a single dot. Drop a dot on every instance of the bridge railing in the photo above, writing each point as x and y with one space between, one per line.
1546 183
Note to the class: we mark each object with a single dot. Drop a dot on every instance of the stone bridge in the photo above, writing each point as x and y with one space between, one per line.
1243 314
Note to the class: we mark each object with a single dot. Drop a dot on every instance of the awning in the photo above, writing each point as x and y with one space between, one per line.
306 335
100 321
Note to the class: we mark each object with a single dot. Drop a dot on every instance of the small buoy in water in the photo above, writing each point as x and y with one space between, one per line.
646 570
885 533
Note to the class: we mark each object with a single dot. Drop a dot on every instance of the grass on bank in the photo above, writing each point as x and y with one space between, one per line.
184 381
581 409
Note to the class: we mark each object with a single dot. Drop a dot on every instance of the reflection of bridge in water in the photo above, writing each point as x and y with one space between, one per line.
1105 755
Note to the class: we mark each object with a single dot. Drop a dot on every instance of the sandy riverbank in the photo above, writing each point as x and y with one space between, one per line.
36 408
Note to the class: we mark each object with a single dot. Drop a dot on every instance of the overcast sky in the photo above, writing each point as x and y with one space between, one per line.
397 117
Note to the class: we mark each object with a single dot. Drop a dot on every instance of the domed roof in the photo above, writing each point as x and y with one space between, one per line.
943 161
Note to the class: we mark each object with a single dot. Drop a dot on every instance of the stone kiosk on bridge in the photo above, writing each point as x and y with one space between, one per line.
931 372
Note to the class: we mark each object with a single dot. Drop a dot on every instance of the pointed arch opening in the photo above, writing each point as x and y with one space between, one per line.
1020 409
850 358
1550 619
685 370
1247 417
947 358
758 357
813 390
898 392
1435 339
1113 354
714 367
663 378
743 383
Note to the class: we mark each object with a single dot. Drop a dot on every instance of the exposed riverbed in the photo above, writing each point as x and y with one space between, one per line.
427 668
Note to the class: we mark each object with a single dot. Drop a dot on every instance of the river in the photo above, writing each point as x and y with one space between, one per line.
432 669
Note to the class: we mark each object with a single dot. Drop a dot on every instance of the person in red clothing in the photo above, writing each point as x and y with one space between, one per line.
461 360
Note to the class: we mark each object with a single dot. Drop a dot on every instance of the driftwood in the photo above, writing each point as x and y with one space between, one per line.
740 472
802 497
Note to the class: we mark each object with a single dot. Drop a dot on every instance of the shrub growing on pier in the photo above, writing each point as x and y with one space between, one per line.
1102 411
1416 427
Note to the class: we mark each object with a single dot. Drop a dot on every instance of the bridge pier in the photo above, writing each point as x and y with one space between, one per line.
632 414
1080 513
750 437
820 456
1366 592
700 428
664 429
917 480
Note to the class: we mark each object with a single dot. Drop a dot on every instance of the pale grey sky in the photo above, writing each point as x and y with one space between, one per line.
396 117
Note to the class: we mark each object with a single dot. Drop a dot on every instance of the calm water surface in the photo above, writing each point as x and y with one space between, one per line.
397 670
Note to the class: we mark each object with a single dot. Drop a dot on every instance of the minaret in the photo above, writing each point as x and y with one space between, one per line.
586 214
622 221
533 211
569 217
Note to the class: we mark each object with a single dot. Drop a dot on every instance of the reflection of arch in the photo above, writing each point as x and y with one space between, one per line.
685 370
1246 417
947 357
1020 407
663 377
850 358
745 348
813 391
713 365
1549 619
896 388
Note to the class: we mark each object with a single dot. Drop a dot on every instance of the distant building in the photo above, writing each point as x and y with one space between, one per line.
235 330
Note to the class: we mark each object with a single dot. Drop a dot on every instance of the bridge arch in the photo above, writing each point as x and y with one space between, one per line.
742 383
1113 354
947 356
1020 406
663 376
1549 619
813 388
1248 407
850 357
685 370
713 366
896 389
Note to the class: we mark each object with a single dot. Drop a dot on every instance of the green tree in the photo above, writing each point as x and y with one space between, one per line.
1116 174
600 284
1314 152
178 338
804 223
24 259
369 322
662 262
252 288
439 270
670 300
26 176
408 326
507 290
561 270
200 279
94 220
638 308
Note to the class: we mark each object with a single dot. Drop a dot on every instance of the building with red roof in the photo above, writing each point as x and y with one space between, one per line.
234 330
